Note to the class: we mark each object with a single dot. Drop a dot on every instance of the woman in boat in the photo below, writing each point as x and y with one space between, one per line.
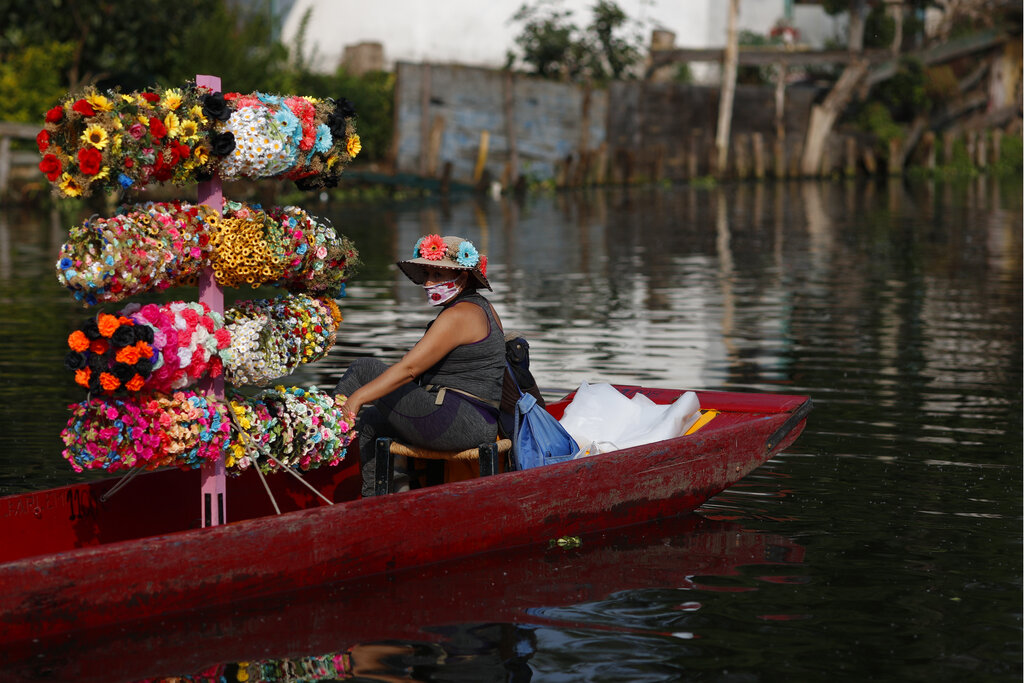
444 393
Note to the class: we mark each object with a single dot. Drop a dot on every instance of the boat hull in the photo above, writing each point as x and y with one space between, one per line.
88 587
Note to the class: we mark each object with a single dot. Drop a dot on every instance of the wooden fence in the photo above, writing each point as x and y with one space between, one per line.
11 159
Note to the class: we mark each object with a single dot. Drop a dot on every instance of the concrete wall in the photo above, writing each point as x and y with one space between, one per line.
631 130
441 111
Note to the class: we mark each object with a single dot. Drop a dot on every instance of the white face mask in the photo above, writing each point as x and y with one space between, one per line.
442 292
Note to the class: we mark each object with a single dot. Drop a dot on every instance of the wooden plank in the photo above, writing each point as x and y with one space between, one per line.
21 131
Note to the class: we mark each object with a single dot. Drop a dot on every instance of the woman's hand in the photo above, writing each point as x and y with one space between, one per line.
350 407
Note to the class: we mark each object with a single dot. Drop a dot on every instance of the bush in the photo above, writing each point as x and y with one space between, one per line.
30 81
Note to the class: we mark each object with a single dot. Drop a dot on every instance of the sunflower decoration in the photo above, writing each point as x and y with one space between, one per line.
118 141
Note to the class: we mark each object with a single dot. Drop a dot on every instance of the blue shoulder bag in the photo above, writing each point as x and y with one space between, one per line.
538 438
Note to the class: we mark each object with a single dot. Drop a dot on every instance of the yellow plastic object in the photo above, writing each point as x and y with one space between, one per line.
705 417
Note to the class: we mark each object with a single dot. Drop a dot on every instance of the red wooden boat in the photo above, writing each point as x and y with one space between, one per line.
73 559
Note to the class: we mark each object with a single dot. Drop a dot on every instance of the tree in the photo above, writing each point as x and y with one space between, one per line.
555 47
126 42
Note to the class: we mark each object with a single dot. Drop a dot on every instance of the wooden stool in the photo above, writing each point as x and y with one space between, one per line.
487 454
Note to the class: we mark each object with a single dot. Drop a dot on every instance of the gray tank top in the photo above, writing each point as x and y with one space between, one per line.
477 368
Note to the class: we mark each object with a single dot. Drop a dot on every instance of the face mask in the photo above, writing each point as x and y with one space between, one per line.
442 292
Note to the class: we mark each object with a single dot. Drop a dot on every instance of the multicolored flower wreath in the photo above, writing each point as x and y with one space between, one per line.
156 245
112 140
294 427
151 348
183 430
272 337
163 348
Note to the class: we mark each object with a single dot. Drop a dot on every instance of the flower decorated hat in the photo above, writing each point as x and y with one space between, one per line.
456 253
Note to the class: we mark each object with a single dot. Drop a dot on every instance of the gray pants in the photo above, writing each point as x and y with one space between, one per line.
409 414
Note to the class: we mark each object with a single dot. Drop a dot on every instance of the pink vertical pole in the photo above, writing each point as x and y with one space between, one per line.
213 480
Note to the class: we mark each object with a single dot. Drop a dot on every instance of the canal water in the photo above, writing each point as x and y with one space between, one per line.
885 544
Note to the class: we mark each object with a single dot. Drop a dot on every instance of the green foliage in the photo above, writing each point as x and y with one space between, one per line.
30 81
373 96
555 47
905 94
610 56
876 119
683 73
1011 156
127 42
879 28
940 84
546 41
234 44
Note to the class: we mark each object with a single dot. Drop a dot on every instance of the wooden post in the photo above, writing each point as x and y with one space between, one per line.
481 155
850 166
213 482
928 142
948 143
779 158
742 162
870 163
728 91
982 151
972 143
997 145
757 141
693 154
434 146
5 165
601 164
894 162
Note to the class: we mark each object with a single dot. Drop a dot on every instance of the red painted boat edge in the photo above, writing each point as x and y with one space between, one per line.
115 582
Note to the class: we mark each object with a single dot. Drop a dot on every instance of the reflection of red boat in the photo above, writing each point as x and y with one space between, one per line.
409 605
72 561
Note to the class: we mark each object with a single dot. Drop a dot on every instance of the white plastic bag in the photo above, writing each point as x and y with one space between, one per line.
604 419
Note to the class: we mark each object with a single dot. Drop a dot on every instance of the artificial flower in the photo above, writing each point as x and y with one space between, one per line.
172 99
433 248
353 146
99 102
89 160
69 186
239 136
51 167
95 135
84 108
467 255
172 123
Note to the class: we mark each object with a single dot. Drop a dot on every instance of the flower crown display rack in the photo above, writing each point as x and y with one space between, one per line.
121 141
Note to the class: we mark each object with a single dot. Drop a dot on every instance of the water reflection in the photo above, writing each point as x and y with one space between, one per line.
474 618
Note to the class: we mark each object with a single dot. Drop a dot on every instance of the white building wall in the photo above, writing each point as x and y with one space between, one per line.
479 33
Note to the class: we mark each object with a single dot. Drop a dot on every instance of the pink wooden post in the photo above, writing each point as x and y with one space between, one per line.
213 480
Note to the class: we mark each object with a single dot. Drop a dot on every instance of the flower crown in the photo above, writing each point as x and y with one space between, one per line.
279 427
113 140
156 245
434 248
168 347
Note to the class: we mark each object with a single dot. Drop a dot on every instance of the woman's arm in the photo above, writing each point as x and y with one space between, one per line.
463 323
